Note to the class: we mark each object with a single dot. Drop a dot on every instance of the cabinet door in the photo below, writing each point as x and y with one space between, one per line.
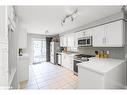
80 34
63 60
71 58
67 62
89 79
99 36
65 41
89 32
114 34
75 40
61 41
71 40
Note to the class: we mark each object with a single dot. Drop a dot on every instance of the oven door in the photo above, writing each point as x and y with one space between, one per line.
75 67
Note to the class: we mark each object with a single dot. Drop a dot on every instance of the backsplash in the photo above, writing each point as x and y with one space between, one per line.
118 53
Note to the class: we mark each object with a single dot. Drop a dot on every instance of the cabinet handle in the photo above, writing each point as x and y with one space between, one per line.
103 40
84 33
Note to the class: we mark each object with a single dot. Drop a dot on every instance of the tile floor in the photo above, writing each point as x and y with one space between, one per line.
49 76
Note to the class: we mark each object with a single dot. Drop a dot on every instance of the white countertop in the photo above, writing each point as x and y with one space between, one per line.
68 53
100 65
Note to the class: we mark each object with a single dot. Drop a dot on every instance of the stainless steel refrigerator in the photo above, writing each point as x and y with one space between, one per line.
54 47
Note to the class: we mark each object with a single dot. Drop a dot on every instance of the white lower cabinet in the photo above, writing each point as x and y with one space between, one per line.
89 79
112 79
67 61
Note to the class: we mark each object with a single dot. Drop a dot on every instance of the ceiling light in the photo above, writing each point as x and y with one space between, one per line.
69 16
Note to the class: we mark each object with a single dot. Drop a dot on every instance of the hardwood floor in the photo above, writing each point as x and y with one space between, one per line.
49 76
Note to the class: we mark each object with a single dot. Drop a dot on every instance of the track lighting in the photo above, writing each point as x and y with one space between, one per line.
69 16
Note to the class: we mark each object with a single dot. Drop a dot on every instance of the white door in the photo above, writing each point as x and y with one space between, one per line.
39 50
89 32
65 41
114 34
61 41
63 60
70 40
99 35
80 34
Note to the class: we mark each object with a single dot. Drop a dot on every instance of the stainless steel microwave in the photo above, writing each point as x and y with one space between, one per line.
85 41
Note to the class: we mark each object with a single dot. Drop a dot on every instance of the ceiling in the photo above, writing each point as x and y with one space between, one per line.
39 19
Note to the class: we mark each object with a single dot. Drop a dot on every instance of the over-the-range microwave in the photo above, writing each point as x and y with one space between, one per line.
85 41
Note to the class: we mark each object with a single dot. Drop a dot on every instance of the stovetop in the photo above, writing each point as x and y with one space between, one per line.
83 57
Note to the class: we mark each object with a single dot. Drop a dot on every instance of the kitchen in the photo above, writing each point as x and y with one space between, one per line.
87 49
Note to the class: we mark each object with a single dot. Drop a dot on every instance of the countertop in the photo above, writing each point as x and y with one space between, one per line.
100 65
69 53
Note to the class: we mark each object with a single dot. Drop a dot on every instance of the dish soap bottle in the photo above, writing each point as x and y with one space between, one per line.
106 54
97 54
101 54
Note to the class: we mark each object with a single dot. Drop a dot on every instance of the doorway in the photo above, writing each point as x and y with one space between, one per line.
38 50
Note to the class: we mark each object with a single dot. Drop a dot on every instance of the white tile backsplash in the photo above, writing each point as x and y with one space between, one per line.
118 53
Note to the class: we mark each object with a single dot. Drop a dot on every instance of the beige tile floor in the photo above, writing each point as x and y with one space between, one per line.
49 76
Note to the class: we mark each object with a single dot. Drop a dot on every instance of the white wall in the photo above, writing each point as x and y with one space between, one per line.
3 49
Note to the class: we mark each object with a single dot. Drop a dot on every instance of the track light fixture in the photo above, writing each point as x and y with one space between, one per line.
69 16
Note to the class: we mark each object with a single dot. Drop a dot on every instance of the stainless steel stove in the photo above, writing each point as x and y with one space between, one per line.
79 59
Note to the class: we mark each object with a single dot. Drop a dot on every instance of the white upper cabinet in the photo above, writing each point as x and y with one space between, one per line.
65 44
83 33
63 41
80 34
71 40
88 32
115 34
109 35
75 40
99 36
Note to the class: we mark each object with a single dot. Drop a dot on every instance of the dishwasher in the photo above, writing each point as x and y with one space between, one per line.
59 59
